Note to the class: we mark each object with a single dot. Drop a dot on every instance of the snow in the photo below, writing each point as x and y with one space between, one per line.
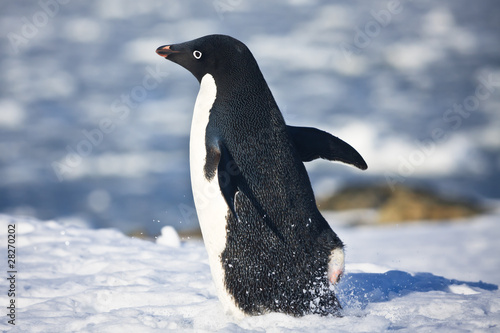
414 277
169 237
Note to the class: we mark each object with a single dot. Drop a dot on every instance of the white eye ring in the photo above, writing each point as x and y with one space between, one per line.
197 54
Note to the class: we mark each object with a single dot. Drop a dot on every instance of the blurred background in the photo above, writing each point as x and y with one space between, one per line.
94 126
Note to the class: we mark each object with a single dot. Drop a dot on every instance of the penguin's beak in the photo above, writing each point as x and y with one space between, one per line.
165 51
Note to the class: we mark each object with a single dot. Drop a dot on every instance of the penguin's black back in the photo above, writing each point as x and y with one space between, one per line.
278 248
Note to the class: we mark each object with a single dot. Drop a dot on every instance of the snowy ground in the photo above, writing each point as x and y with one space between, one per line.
416 277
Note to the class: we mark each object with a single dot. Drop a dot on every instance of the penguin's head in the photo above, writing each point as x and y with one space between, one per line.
218 55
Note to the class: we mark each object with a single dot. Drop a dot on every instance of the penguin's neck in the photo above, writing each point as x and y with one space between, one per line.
201 115
242 98
205 100
241 84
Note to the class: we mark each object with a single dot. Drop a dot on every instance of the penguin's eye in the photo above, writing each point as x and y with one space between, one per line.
197 54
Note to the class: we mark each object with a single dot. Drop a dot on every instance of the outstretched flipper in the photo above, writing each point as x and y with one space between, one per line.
312 143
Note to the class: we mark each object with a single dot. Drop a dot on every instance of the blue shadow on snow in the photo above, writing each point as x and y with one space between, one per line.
381 287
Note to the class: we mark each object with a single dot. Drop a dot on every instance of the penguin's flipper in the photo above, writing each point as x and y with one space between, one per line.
312 143
229 177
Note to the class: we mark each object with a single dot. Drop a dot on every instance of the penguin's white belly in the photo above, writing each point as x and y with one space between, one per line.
210 204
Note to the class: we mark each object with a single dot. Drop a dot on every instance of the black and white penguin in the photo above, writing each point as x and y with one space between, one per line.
269 248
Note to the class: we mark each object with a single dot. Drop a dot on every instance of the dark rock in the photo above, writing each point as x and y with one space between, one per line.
401 203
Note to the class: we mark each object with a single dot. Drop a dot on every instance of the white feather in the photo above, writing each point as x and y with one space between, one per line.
336 265
210 204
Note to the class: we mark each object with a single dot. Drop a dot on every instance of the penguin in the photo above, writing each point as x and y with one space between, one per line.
269 247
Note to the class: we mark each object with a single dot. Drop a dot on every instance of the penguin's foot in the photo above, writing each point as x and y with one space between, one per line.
336 265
